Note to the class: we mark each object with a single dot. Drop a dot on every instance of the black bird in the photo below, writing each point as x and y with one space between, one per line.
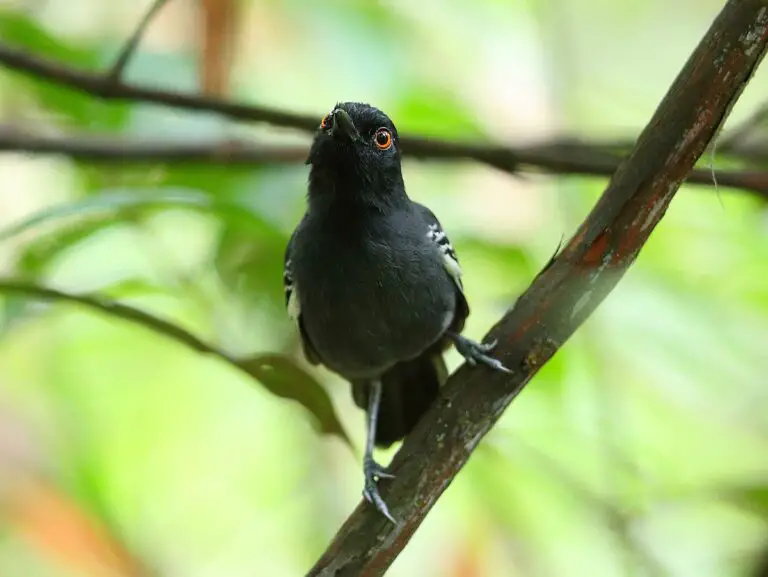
372 281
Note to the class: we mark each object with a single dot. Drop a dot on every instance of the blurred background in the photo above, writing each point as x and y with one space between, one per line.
640 449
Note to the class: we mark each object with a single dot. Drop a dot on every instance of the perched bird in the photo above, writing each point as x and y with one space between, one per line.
372 281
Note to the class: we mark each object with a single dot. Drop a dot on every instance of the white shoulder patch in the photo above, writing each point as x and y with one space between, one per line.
451 262
291 293
293 305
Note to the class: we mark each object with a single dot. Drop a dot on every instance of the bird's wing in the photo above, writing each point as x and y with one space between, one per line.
436 234
291 294
293 304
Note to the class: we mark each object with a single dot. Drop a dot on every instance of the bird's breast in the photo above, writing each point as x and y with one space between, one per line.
368 302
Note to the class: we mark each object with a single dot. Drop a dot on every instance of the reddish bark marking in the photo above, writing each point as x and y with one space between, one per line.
596 253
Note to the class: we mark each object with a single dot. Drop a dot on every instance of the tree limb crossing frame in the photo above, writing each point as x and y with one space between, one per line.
563 295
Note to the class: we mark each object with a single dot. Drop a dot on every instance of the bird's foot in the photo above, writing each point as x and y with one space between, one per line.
475 352
373 472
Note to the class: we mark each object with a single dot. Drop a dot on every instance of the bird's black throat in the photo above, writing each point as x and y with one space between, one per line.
339 179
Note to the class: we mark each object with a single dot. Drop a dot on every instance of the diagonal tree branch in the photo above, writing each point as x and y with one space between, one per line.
564 294
564 157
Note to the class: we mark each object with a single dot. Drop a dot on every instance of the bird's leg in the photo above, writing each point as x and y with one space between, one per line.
371 469
475 352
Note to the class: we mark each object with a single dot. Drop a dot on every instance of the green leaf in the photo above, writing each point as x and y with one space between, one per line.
37 254
752 497
249 246
284 378
17 29
116 200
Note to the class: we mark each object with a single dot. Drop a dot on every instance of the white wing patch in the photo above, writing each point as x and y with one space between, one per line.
291 293
451 262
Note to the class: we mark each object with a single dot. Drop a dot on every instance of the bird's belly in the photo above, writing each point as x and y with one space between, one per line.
361 321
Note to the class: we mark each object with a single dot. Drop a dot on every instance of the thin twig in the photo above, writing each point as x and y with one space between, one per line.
115 74
738 135
557 158
100 86
562 157
104 149
115 309
563 296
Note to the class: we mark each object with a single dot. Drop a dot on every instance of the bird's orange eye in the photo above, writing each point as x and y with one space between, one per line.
383 138
325 123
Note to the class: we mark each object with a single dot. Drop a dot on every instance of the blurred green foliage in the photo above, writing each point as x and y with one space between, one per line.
640 449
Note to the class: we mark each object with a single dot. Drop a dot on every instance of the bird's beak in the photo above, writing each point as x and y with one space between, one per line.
343 126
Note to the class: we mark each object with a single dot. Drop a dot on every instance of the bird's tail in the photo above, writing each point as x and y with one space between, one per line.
407 391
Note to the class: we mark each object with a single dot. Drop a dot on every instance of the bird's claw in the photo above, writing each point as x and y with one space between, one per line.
475 353
373 472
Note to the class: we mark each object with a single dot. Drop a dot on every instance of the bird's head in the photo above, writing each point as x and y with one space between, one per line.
355 156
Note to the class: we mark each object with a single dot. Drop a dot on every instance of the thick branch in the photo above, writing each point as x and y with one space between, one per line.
567 157
563 295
